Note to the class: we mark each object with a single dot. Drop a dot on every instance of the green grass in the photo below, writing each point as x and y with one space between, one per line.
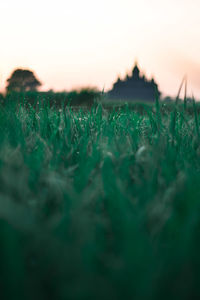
99 204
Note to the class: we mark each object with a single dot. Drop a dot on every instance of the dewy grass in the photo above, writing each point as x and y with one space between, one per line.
99 204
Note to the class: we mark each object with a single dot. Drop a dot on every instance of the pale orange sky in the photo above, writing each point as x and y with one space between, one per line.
89 43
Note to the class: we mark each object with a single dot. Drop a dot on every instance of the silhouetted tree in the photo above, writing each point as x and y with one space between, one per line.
22 81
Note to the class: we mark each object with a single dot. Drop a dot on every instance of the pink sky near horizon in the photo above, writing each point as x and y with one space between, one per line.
71 44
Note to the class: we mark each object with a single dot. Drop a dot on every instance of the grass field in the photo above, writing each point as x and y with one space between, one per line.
99 204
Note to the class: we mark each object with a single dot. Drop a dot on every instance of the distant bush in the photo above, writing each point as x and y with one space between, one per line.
83 97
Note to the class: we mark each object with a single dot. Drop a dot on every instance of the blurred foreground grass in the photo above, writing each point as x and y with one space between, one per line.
99 204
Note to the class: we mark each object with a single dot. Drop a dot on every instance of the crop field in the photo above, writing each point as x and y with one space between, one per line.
99 204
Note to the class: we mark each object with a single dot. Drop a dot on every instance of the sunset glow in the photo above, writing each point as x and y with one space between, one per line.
78 43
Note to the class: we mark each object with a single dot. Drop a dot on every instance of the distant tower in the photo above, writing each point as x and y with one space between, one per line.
136 72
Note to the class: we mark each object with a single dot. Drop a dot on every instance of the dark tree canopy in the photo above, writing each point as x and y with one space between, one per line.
22 81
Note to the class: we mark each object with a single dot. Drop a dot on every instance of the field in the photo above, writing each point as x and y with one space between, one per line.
99 203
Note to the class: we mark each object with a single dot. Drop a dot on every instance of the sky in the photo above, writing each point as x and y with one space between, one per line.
81 43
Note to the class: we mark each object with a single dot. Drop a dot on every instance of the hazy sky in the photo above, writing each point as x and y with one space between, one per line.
89 43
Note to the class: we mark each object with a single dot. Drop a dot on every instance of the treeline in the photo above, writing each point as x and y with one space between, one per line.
85 97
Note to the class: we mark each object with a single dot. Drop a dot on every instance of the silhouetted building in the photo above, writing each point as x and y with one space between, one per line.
134 87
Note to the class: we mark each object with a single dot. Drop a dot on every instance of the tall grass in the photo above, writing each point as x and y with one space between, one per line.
99 204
